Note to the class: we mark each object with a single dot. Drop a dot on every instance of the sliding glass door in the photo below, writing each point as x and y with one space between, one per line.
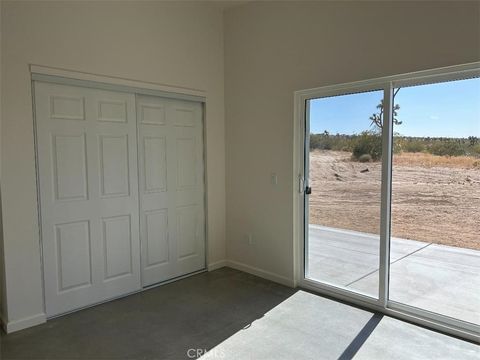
344 172
436 199
390 192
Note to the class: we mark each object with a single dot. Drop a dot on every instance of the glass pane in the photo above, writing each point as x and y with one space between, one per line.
436 199
345 176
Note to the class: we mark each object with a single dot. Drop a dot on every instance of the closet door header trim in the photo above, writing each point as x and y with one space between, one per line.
75 78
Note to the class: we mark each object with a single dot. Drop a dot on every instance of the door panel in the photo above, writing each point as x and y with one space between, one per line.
117 242
155 164
70 169
171 188
343 170
186 169
157 246
112 110
70 107
186 231
113 165
436 199
73 254
86 148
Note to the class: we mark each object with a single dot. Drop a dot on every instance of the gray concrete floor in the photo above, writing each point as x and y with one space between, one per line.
437 278
238 316
307 326
165 322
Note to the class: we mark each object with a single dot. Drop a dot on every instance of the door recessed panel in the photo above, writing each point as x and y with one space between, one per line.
117 241
69 162
114 179
152 114
73 255
184 117
186 163
112 110
158 249
155 164
186 231
68 108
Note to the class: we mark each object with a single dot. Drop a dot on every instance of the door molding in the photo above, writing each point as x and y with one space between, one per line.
84 79
300 137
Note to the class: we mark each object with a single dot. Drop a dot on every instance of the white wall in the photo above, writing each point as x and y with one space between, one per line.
275 48
179 45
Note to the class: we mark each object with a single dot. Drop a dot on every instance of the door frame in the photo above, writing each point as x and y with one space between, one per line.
300 203
58 76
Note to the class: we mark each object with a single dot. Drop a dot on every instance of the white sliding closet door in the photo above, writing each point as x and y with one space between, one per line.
171 187
87 166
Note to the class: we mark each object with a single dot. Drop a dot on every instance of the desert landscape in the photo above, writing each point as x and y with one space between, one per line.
434 198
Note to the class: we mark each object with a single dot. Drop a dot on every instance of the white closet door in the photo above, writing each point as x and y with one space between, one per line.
172 220
87 166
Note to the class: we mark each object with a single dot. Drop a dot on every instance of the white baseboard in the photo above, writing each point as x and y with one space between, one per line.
216 265
16 325
261 273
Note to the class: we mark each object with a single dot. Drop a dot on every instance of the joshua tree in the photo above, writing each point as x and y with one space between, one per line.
377 118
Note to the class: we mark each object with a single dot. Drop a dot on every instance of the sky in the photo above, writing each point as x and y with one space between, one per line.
449 109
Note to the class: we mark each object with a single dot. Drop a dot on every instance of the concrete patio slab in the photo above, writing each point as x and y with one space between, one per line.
437 278
343 257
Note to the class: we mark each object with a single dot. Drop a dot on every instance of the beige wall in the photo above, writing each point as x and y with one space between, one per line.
179 45
275 48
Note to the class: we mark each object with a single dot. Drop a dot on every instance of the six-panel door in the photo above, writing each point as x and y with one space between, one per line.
89 192
170 137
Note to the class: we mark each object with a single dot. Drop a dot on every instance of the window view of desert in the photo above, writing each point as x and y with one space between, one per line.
435 167
435 196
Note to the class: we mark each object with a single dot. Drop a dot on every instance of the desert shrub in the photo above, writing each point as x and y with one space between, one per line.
342 143
326 141
475 150
447 148
321 141
365 158
413 146
368 143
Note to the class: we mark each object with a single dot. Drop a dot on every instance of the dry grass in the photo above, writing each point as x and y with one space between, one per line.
428 160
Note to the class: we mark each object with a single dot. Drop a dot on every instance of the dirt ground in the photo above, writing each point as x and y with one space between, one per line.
438 204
